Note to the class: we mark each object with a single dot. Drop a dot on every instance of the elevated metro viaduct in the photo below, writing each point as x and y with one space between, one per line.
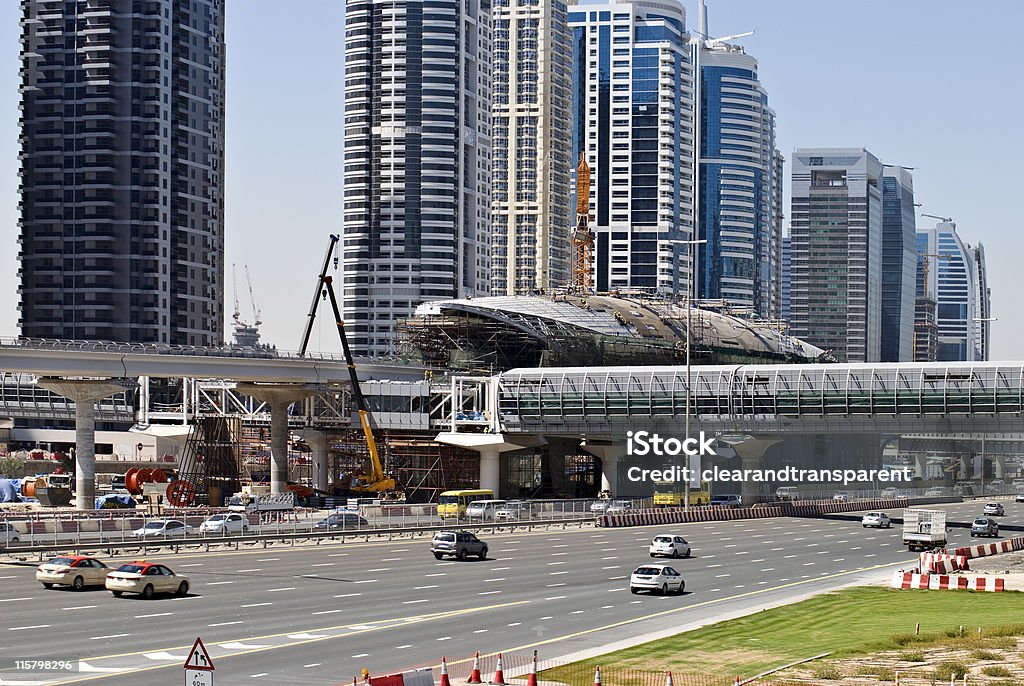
809 415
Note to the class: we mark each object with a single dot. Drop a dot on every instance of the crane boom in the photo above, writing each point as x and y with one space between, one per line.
378 481
582 238
256 311
234 287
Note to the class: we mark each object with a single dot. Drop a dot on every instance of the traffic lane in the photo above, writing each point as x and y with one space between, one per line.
560 599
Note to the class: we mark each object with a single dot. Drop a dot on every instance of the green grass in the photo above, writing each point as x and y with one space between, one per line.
850 621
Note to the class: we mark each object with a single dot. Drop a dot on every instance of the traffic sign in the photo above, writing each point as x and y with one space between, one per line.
198 659
197 677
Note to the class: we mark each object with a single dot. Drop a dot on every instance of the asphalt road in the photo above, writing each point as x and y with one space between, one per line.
318 615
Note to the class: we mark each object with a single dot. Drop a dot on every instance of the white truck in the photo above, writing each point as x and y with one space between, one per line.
262 502
924 529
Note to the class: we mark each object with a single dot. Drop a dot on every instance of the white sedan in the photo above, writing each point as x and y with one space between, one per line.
76 571
163 528
146 579
658 578
879 520
669 545
231 523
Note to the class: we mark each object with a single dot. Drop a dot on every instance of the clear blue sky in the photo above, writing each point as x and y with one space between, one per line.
933 84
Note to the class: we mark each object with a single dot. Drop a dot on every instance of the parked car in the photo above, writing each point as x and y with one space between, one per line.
484 509
787 493
163 528
842 496
341 521
146 579
726 500
230 523
600 506
879 520
994 509
935 492
76 571
995 486
459 544
1020 498
514 510
9 535
984 526
889 493
619 506
659 578
669 545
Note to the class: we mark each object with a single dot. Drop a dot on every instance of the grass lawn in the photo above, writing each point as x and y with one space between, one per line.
847 621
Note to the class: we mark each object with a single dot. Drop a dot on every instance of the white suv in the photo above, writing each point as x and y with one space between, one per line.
659 578
669 545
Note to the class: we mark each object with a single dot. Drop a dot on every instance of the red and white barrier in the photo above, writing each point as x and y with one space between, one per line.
942 563
910 580
944 582
986 549
994 584
696 514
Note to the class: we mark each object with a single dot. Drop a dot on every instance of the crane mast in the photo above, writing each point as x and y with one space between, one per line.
582 280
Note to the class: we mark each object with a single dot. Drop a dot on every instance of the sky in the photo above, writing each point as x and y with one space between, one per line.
930 84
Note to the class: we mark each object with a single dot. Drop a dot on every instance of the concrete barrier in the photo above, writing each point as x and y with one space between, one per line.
945 582
942 563
986 549
910 580
679 516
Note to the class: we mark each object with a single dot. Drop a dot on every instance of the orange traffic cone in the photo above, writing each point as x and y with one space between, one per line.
532 680
668 679
737 683
444 673
474 676
597 676
499 676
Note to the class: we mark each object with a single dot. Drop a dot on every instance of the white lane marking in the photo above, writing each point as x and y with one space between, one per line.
714 565
555 597
612 590
7 577
100 638
400 550
768 569
731 545
365 581
608 550
421 588
391 559
616 578
548 617
267 559
613 557
403 647
79 607
714 590
808 564
719 576
511 550
347 595
257 676
559 538
551 564
164 655
361 655
706 557
500 569
224 623
776 549
839 559
275 590
760 559
556 573
24 628
154 614
606 607
218 583
561 545
500 578
257 604
480 631
256 569
870 555
194 564
12 600
554 585
326 612
312 664
380 569
488 592
445 638
410 602
338 555
515 624
857 548
557 554
437 574
323 564
788 556
304 636
578 612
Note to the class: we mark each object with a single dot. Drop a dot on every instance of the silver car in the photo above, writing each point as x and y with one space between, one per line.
879 520
163 528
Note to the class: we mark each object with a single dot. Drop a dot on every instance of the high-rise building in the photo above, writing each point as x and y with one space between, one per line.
836 251
740 184
955 278
417 219
122 162
531 158
633 105
784 281
899 265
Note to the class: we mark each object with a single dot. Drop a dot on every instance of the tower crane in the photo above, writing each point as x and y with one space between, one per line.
235 316
256 311
583 238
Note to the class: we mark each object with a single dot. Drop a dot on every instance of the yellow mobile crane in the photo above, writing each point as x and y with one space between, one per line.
377 482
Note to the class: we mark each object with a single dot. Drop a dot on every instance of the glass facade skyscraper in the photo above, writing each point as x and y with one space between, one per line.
532 201
122 164
633 120
740 186
836 251
899 265
957 281
417 219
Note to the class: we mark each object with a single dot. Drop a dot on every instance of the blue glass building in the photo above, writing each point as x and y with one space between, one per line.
899 263
632 119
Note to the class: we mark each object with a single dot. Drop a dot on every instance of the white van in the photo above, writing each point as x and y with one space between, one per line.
787 493
484 509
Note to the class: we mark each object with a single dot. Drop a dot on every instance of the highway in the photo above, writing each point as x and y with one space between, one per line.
318 615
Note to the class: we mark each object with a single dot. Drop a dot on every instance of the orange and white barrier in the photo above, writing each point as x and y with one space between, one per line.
910 580
944 582
995 584
986 549
696 514
942 563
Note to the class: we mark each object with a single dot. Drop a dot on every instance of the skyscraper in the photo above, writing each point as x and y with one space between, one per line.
417 160
740 185
531 147
836 251
122 158
899 265
959 285
633 121
786 280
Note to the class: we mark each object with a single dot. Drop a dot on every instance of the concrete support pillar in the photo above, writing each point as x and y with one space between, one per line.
84 393
490 468
279 445
280 397
317 441
750 450
610 472
966 468
921 465
999 466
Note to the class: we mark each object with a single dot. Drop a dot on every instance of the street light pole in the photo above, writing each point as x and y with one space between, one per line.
689 340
